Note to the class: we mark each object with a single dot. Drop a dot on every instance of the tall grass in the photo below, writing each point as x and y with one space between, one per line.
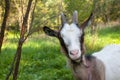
41 57
101 38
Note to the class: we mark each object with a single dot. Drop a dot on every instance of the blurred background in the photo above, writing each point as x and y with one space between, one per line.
21 23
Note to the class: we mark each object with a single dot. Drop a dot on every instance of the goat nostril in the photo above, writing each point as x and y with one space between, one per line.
74 52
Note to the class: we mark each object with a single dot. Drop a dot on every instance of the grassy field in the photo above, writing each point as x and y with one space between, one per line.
41 58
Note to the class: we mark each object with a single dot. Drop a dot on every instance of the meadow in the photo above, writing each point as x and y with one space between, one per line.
41 57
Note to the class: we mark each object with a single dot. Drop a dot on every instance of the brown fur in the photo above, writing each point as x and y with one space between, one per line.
96 70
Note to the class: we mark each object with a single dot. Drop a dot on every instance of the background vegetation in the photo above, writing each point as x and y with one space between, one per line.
41 58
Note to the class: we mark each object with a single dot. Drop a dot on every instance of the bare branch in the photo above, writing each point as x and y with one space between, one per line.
36 29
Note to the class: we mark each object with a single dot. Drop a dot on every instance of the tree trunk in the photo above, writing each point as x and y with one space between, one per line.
18 57
23 37
7 8
21 40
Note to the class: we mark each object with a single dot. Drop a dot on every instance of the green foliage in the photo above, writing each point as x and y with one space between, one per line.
101 38
47 12
41 58
84 8
107 10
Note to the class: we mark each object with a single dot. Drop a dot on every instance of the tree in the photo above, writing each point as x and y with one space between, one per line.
7 8
24 33
23 37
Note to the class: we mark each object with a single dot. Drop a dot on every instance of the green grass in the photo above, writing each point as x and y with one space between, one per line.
103 37
41 58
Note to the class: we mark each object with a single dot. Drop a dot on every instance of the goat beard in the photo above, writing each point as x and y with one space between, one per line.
83 58
84 61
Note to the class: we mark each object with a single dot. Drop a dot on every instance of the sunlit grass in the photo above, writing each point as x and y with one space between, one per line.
103 37
41 57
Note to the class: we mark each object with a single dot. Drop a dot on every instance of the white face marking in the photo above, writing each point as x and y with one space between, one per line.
71 35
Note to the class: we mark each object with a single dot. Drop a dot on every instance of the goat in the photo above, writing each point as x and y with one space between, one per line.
102 65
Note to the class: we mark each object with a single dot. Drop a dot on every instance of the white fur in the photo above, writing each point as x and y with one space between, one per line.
71 34
110 56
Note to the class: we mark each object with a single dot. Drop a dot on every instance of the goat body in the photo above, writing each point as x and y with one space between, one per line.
102 65
94 71
110 56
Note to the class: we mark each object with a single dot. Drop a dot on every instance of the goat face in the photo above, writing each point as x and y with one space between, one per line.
70 36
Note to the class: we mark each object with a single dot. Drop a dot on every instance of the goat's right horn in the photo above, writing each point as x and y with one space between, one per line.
75 17
63 20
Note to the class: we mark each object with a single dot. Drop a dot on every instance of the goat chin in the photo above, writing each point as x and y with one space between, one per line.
103 65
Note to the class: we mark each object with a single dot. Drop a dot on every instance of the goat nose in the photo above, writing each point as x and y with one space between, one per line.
74 52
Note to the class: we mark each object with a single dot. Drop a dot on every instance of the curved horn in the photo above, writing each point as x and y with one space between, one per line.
75 17
63 20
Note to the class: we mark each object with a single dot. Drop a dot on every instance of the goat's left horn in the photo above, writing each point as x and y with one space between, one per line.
75 17
63 20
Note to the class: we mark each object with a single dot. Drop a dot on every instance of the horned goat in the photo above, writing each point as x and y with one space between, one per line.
102 65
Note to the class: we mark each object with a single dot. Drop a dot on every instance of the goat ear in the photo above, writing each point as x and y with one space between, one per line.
50 32
87 22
